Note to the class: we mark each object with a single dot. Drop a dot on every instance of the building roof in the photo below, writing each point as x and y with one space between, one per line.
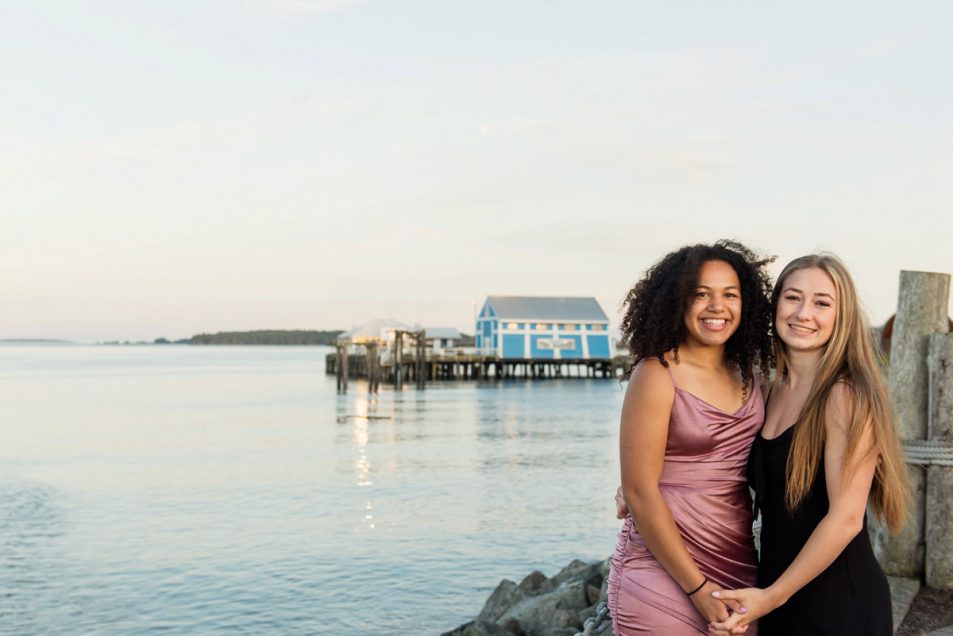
442 332
372 330
547 308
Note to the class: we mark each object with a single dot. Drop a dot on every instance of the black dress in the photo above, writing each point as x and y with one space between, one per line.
849 598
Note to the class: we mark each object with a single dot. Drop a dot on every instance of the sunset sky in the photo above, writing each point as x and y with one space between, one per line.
169 168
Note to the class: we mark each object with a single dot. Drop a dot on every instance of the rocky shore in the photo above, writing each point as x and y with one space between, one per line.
560 605
541 606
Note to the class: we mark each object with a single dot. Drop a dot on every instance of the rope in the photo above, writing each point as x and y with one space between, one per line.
928 452
593 624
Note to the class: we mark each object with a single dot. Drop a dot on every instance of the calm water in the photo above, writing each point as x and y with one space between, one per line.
189 490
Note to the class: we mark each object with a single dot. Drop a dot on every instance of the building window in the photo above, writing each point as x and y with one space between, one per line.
568 327
512 326
542 326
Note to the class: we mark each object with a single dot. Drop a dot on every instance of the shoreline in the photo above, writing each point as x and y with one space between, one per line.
560 605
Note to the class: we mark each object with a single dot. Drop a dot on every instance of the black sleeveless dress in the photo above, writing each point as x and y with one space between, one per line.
849 598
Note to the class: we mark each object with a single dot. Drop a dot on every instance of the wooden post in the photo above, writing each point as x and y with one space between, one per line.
344 369
939 510
421 353
370 367
338 365
373 368
921 310
398 362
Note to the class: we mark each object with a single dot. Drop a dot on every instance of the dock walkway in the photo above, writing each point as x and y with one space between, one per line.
458 366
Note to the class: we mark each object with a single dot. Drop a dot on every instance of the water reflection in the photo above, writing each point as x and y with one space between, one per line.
362 465
369 515
358 412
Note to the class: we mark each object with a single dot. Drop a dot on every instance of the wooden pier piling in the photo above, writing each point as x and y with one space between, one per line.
342 368
373 367
420 359
921 311
938 558
398 362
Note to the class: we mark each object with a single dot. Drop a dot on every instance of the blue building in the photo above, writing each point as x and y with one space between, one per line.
543 328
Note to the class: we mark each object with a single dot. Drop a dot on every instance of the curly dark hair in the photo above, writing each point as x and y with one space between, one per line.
653 321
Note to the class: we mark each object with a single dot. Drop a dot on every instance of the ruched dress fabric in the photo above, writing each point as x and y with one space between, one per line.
704 484
851 597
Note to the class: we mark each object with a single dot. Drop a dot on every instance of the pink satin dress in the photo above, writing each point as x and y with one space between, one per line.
703 482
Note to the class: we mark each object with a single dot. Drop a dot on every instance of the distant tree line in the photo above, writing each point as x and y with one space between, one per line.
266 337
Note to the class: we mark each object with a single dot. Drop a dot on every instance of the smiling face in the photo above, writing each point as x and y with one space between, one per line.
714 309
807 310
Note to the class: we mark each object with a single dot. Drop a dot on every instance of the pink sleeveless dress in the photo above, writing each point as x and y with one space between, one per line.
703 482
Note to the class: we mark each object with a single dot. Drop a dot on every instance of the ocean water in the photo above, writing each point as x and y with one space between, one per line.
230 490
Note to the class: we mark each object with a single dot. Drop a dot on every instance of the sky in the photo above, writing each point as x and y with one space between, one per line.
173 168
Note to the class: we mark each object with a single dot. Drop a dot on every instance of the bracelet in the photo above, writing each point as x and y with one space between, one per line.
700 586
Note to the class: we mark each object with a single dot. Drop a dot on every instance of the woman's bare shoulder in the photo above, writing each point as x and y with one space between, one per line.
651 376
839 406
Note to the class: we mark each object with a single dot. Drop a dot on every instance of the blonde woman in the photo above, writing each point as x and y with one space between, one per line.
828 449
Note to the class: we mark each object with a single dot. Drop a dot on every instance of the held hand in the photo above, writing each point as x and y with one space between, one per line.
711 608
721 632
713 631
734 606
756 601
621 509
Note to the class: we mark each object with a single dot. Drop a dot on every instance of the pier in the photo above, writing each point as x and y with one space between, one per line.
463 366
517 337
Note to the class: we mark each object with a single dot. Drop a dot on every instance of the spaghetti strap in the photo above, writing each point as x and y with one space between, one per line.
671 374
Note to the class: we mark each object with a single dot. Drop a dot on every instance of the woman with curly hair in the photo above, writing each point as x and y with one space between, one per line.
698 326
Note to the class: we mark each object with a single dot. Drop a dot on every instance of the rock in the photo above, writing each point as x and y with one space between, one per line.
575 570
572 595
902 593
502 598
604 590
585 613
557 609
533 583
593 593
540 606
538 615
479 628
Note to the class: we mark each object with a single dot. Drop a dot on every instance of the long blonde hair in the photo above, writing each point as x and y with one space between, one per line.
848 357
